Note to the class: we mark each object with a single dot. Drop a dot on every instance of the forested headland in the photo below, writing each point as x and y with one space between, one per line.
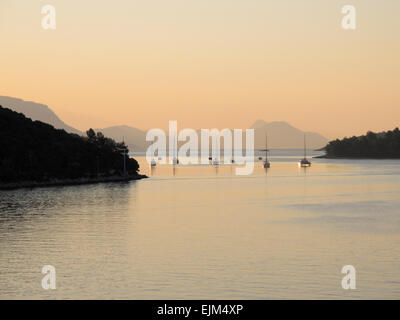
383 145
37 152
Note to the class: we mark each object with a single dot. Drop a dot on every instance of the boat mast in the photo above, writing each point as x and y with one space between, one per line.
173 151
266 148
305 154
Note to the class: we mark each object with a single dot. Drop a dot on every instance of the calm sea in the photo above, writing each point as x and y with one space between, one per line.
194 232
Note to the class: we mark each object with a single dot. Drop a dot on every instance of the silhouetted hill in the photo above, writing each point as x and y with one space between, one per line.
36 111
282 135
36 151
259 124
372 145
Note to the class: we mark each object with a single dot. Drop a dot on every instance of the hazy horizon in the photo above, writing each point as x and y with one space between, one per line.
206 64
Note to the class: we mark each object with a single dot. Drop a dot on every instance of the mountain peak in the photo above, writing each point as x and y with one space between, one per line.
259 124
282 135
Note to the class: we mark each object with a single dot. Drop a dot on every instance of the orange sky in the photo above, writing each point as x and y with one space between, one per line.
206 63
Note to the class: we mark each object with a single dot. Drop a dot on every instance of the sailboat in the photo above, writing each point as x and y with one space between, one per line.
215 160
175 160
303 163
266 162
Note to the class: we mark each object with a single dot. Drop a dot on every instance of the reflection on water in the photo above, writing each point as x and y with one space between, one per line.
203 232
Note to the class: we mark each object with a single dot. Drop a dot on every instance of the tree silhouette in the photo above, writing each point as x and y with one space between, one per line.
372 145
36 151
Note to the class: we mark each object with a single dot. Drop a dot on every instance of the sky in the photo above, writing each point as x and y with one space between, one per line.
208 63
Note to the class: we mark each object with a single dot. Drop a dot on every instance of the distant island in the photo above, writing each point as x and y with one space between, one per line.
33 153
383 145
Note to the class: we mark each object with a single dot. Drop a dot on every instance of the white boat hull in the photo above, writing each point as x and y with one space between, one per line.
304 164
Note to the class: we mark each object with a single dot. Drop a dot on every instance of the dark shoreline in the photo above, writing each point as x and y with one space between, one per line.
67 182
356 158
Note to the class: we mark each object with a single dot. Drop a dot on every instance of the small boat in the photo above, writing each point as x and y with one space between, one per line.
153 163
175 161
266 162
304 163
215 162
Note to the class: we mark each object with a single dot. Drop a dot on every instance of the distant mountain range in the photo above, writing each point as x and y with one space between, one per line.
281 135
